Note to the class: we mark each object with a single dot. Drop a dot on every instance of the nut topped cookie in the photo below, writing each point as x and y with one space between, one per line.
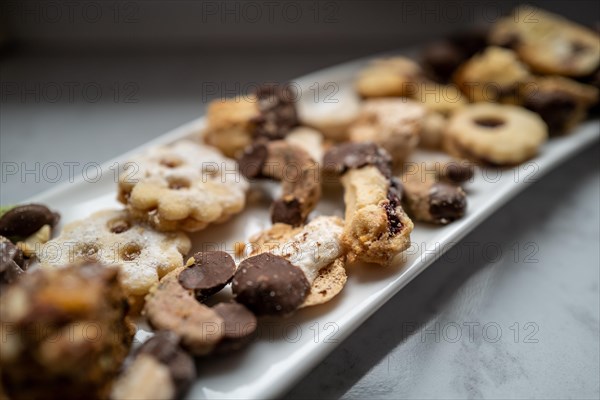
114 237
185 185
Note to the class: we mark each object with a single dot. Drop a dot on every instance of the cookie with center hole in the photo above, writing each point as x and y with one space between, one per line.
495 134
183 186
114 237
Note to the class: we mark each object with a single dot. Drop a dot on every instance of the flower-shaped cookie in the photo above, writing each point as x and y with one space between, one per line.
185 186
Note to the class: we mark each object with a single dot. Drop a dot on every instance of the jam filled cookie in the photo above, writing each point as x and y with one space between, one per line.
394 124
291 268
65 333
184 186
113 237
233 124
548 43
376 228
294 168
495 134
494 75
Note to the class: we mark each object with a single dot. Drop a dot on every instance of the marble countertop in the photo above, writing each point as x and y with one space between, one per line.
518 321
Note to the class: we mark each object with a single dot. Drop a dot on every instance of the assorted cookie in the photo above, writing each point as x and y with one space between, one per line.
183 186
297 171
173 305
291 268
394 124
432 193
495 134
548 43
489 97
234 123
115 237
376 229
65 332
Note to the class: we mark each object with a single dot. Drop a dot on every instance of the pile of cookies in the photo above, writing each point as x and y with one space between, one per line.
488 98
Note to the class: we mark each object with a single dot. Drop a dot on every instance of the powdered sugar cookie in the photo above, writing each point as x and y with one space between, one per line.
113 237
184 185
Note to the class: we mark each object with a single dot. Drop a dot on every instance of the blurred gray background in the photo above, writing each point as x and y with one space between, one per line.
86 81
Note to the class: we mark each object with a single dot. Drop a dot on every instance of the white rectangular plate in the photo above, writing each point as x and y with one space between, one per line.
286 349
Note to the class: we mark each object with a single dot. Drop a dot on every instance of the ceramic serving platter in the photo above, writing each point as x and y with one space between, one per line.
285 349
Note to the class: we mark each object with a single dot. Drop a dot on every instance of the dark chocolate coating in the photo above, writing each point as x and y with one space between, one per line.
12 262
211 271
239 326
351 155
23 221
253 160
270 284
287 211
447 202
277 112
394 198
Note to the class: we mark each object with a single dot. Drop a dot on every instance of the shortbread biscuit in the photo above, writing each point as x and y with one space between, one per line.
394 124
495 134
294 168
389 77
548 43
234 123
376 228
291 268
114 237
185 185
493 76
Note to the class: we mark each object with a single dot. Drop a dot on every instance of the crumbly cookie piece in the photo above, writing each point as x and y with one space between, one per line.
394 124
494 76
376 228
297 171
495 134
65 332
114 237
283 238
561 102
185 185
269 113
548 43
389 77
